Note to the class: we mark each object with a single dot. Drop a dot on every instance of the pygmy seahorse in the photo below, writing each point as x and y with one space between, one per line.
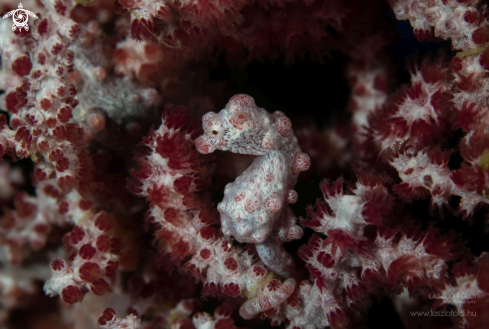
254 208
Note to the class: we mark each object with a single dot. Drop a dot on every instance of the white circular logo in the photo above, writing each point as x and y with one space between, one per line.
20 17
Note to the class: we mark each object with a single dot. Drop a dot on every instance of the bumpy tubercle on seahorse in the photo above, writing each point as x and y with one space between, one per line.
254 208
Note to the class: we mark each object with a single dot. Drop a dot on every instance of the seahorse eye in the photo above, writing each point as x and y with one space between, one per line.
214 132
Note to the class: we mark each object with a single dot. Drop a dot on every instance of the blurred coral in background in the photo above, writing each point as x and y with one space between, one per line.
354 194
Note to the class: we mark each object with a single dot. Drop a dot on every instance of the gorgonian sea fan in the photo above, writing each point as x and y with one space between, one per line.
112 201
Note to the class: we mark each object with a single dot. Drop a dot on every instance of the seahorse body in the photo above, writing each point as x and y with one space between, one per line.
254 208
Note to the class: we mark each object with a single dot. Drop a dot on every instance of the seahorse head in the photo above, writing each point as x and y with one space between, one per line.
241 127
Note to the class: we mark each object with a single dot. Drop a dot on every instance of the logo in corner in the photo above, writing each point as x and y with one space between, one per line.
20 17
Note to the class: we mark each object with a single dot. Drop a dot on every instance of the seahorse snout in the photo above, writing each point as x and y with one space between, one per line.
204 145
